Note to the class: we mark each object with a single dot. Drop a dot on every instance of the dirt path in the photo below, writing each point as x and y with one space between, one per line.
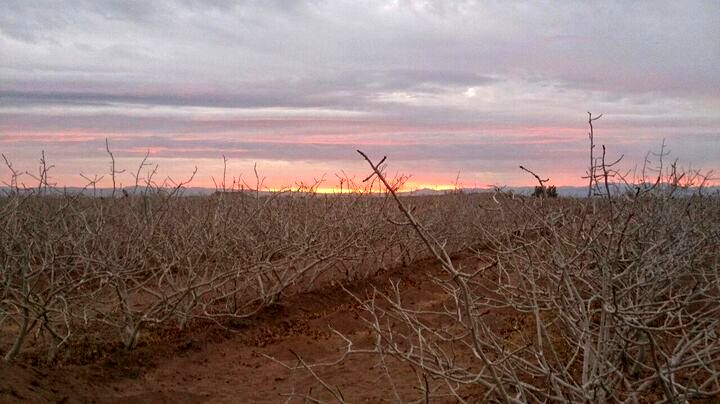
215 366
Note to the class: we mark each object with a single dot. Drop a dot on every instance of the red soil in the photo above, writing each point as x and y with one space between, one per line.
212 364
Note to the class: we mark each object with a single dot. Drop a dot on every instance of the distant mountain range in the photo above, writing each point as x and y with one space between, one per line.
566 191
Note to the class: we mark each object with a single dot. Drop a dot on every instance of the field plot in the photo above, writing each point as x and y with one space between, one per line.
153 296
379 201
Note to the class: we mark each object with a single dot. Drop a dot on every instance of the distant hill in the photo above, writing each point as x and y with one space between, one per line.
566 191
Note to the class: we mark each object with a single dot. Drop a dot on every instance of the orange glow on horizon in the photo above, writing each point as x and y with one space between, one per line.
337 190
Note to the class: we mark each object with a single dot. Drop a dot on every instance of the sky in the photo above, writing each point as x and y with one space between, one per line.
447 90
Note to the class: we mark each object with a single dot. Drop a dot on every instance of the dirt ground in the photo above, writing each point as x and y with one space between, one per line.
212 364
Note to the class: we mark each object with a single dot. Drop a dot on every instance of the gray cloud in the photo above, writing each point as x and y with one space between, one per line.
360 71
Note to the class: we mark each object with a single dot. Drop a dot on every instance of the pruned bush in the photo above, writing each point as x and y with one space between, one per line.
616 299
74 266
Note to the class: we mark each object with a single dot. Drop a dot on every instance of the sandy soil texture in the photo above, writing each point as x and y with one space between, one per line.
212 364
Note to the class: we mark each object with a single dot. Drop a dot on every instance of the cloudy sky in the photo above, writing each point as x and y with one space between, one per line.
440 87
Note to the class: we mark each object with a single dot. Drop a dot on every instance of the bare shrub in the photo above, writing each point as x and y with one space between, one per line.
75 266
615 297
613 300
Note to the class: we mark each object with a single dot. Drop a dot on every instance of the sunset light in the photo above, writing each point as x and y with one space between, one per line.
439 87
359 201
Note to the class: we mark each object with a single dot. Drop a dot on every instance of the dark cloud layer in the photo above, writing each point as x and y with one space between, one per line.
462 82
